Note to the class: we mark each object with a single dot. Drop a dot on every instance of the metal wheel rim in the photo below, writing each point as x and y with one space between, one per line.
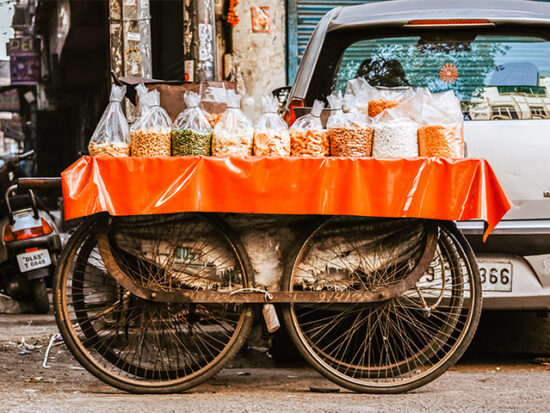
357 381
244 313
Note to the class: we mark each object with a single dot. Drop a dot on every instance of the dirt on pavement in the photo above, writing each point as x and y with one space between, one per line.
254 383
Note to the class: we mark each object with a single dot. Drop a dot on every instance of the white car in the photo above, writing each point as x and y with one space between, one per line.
500 51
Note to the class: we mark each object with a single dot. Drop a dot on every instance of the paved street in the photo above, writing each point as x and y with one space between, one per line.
253 383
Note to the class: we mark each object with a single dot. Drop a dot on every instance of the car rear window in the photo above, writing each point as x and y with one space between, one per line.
495 77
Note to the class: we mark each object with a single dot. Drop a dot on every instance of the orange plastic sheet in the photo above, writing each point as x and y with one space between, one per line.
436 188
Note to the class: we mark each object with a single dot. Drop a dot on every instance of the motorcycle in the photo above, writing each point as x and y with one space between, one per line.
31 243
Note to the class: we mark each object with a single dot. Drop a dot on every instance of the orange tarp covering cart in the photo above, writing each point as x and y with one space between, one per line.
434 188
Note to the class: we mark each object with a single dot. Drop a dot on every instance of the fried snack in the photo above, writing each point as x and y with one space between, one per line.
150 142
378 106
271 142
350 142
228 142
109 149
441 141
213 118
309 142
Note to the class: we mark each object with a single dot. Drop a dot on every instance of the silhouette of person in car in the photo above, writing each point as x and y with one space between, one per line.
382 72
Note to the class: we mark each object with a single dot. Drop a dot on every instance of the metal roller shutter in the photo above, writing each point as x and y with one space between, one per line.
303 16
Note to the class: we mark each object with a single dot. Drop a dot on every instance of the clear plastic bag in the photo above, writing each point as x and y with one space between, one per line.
442 125
396 130
141 106
150 134
112 136
374 100
307 136
234 132
349 133
191 134
213 101
271 135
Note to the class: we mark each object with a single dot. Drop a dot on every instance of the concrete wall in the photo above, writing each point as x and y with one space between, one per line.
259 58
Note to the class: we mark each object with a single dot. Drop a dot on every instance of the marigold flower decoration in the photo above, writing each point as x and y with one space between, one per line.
448 73
232 17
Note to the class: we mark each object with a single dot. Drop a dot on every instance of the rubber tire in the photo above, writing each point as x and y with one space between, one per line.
39 296
478 303
82 357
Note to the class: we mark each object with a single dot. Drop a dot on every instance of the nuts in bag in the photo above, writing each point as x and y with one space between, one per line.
150 134
442 125
234 132
271 135
349 134
191 134
396 130
373 100
112 136
307 136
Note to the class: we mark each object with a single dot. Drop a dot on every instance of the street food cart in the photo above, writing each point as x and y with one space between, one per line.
159 286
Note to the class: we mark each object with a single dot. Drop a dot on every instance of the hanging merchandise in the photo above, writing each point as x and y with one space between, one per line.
112 136
307 136
441 130
191 134
396 130
271 135
232 17
150 134
234 132
374 100
349 134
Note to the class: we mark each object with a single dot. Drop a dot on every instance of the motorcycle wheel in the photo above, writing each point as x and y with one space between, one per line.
39 295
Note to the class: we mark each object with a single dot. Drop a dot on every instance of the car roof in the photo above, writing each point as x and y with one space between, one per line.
399 12
403 11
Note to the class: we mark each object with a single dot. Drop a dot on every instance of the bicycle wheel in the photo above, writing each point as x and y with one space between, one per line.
396 344
139 345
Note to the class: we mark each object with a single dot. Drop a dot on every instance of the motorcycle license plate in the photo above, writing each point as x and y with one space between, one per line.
33 260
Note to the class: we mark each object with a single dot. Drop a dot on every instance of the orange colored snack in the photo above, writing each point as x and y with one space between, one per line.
309 142
441 141
376 107
350 142
213 118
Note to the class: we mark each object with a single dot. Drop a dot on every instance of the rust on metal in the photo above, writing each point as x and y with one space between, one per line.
324 296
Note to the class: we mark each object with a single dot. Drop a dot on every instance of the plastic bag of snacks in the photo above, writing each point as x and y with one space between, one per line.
307 136
349 134
112 136
150 134
271 135
191 134
213 102
374 100
442 124
141 105
234 132
396 130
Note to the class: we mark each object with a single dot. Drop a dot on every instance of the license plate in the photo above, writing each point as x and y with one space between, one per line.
495 276
33 260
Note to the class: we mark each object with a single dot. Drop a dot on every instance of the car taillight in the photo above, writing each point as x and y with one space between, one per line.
290 116
449 22
26 233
